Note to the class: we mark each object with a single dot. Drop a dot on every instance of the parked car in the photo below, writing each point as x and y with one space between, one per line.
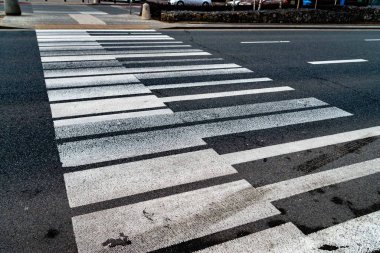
190 2
265 3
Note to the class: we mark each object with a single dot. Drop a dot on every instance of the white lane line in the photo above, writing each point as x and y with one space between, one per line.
115 56
86 19
118 116
210 83
105 52
105 183
94 92
147 46
297 146
224 94
286 238
357 235
88 128
81 64
285 189
161 222
208 72
124 70
372 40
265 42
174 60
125 146
337 61
89 81
70 109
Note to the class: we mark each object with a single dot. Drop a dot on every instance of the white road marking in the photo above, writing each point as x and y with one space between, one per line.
161 222
106 52
118 116
297 146
372 39
139 42
72 48
124 70
102 38
88 128
291 187
105 183
208 72
96 92
86 19
209 83
224 94
68 44
89 30
286 238
337 61
81 64
72 82
173 60
265 42
93 47
125 146
115 56
70 109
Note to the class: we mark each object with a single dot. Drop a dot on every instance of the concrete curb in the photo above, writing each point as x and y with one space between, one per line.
271 27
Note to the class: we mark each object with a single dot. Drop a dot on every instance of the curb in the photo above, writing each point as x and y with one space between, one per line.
273 27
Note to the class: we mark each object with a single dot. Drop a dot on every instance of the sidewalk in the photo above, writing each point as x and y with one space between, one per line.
73 14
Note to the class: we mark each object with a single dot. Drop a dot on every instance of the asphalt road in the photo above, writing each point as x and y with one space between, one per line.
145 143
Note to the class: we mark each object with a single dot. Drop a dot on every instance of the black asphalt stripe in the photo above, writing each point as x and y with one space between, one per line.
328 206
149 129
212 89
110 113
224 236
154 194
34 210
275 169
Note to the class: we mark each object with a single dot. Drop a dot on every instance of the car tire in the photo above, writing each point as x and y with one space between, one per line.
180 3
205 4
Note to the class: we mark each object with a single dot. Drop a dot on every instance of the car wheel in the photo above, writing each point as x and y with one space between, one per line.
180 3
205 4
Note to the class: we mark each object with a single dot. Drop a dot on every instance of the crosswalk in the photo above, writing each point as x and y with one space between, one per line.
119 136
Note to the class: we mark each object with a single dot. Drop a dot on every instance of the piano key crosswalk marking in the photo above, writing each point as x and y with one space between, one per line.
104 113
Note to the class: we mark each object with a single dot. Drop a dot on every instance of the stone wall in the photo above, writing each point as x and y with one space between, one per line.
346 15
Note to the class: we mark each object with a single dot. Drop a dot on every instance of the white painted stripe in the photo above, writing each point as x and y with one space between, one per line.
336 61
109 117
69 12
149 142
102 38
265 42
86 19
208 72
297 146
165 221
139 42
180 117
93 92
285 189
210 83
174 60
113 57
89 81
357 235
224 94
69 44
70 109
285 238
372 39
105 183
124 70
71 48
81 64
106 52
148 46
94 12
91 30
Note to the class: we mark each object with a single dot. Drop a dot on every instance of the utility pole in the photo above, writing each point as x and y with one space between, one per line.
11 7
